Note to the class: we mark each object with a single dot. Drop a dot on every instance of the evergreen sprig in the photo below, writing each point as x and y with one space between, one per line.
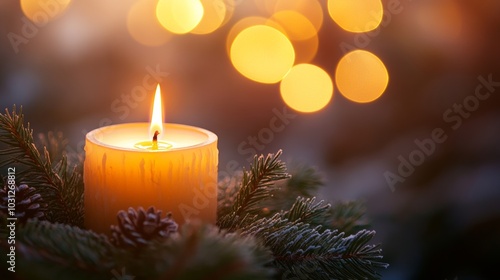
258 183
58 183
55 143
307 210
199 251
58 251
301 238
304 251
58 147
303 182
202 251
348 216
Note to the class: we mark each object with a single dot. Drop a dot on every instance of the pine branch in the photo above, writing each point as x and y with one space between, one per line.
307 210
348 217
304 182
233 222
72 192
201 251
258 184
304 251
55 183
48 251
300 244
57 145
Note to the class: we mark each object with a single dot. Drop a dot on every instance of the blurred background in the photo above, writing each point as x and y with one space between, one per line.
395 102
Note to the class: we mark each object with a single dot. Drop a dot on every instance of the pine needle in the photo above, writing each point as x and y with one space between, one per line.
259 183
61 185
306 252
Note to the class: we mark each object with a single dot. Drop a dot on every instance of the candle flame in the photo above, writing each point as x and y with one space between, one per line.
157 115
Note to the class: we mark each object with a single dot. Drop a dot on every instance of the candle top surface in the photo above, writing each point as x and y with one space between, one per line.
125 136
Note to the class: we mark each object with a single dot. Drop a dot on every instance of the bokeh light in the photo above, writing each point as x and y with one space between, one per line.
311 9
356 15
179 16
214 13
262 53
306 88
244 24
41 12
296 26
143 26
300 31
361 76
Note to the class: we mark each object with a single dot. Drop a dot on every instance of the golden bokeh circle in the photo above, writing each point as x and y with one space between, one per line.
179 16
306 88
262 53
356 15
361 76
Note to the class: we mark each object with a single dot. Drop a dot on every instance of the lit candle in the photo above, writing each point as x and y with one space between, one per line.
170 166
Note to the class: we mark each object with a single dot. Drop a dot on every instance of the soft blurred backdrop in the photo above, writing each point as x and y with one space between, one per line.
75 65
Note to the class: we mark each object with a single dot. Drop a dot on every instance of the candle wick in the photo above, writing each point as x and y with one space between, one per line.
155 140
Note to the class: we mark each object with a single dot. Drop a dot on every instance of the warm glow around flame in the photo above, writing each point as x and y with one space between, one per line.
157 115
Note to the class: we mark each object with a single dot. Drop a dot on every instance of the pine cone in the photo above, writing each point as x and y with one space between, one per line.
137 228
29 203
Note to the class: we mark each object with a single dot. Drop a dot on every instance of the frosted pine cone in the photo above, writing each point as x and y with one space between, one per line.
137 228
29 204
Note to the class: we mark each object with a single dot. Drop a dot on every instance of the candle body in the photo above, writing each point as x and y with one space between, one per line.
181 180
